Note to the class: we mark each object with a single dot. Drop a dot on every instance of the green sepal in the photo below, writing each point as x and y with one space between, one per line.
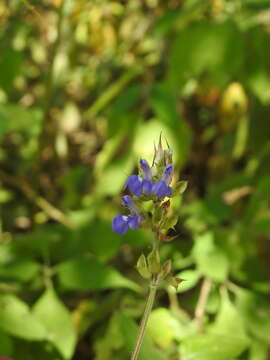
173 281
168 223
179 188
165 270
154 261
157 214
143 268
168 156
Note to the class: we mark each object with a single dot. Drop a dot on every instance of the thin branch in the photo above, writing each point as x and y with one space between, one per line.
110 93
41 202
202 302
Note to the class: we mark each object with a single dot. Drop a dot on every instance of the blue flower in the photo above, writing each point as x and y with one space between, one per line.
138 185
162 188
121 223
134 184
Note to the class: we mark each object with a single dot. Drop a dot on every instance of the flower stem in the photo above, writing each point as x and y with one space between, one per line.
143 324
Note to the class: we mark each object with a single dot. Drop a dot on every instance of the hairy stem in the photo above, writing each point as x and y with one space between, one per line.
143 324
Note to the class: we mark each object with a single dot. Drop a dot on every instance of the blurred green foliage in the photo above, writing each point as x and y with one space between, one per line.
86 87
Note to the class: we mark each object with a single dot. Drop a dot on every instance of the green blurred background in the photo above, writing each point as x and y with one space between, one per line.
86 87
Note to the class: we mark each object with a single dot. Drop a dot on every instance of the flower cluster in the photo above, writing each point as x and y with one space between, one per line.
152 183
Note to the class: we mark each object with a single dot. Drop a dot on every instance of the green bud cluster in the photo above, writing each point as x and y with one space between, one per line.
150 266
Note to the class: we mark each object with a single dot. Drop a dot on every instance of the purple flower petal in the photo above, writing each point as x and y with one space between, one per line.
133 222
130 204
147 173
167 175
134 184
161 189
147 186
120 224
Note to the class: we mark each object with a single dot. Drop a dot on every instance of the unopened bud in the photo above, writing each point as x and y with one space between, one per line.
143 268
168 156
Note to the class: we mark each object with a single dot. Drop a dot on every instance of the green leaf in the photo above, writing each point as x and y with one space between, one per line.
112 180
10 63
206 47
190 277
164 328
164 103
17 320
258 351
256 314
129 331
21 270
20 118
228 320
6 345
148 133
89 274
257 74
56 319
108 242
210 260
112 341
211 347
121 110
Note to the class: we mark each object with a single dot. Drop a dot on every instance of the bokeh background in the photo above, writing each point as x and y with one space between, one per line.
86 88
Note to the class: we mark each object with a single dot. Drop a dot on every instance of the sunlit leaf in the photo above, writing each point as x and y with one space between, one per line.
211 347
56 319
17 320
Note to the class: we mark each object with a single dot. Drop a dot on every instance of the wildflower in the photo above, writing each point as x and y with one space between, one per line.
121 223
138 185
162 156
162 188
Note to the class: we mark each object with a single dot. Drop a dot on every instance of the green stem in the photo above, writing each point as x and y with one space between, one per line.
147 312
111 92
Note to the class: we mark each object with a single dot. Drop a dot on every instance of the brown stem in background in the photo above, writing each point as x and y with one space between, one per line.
202 302
42 203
